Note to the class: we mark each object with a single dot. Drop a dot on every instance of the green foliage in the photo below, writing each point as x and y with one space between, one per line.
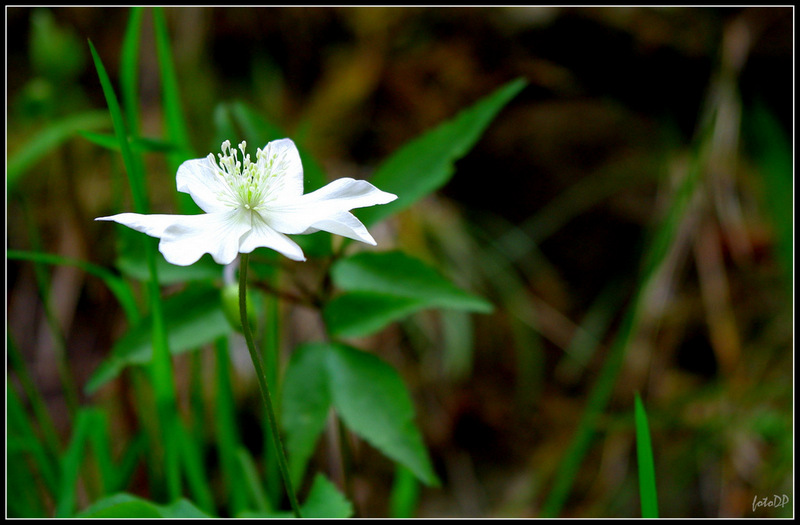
48 139
128 506
383 287
368 395
427 162
56 52
324 501
193 317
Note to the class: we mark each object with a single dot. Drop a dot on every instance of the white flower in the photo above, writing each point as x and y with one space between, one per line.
252 204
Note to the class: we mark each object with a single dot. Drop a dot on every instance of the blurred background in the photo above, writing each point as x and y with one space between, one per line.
549 216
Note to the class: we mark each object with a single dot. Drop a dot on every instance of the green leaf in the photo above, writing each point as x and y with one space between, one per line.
427 162
125 505
325 501
367 393
401 275
193 318
387 286
49 139
372 400
644 455
358 314
306 400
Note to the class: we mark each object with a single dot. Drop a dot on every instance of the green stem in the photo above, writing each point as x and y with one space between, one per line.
262 383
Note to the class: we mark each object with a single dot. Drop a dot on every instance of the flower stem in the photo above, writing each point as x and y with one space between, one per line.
262 383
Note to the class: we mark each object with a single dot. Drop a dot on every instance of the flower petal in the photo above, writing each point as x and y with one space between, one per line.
198 178
262 235
345 224
185 238
328 209
152 225
189 237
287 168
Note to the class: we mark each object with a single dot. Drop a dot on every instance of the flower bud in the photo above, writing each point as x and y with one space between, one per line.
230 306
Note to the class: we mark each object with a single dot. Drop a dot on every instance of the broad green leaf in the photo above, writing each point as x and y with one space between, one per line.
193 318
644 456
306 400
367 393
427 162
358 314
372 400
325 501
387 286
125 505
48 139
399 274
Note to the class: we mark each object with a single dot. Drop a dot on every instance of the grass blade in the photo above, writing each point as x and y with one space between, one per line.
162 364
176 129
21 439
118 286
227 434
601 392
48 139
644 455
129 70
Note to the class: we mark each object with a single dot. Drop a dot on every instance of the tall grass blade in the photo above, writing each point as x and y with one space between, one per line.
49 139
174 120
644 456
227 434
601 392
22 440
115 284
162 364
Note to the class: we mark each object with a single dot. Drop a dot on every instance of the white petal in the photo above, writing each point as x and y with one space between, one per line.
185 238
198 178
261 235
190 236
347 194
153 225
345 224
328 209
287 167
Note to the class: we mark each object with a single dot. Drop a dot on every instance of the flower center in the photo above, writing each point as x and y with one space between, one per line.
246 184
